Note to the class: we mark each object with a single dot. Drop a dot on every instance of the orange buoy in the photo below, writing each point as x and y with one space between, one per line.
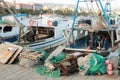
109 67
31 22
50 23
107 62
110 72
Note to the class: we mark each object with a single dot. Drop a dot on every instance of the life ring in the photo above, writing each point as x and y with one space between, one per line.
31 22
50 23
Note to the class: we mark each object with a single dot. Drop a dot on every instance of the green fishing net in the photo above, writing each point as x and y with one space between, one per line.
44 71
97 64
58 58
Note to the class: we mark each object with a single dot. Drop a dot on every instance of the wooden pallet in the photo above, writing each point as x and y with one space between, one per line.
31 55
15 55
9 52
5 57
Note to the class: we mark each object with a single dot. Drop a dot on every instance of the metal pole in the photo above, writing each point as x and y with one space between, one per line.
105 14
75 14
74 18
15 6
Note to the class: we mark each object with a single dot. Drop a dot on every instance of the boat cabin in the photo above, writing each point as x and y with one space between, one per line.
38 33
8 33
114 19
93 34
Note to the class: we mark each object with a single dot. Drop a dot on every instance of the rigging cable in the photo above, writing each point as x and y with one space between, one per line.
87 7
92 6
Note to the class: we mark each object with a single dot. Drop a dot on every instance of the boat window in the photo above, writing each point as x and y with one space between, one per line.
0 29
7 29
112 22
85 21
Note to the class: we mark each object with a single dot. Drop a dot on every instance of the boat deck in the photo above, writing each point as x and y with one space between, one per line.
15 72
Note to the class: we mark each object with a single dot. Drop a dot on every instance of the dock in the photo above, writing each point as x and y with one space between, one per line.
16 72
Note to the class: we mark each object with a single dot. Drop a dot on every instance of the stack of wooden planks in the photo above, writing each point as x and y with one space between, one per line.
9 52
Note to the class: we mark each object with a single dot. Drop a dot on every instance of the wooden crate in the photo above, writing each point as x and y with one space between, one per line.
30 59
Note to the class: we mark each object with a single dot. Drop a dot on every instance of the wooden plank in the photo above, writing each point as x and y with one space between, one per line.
5 57
55 52
15 55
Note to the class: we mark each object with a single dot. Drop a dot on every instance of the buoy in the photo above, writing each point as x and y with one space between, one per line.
107 62
110 72
50 23
109 67
31 22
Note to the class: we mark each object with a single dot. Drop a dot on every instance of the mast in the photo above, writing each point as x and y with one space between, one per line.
102 8
19 24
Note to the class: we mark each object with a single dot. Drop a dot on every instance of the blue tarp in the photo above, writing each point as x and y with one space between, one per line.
19 15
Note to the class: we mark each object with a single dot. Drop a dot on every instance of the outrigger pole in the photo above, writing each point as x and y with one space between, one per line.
19 24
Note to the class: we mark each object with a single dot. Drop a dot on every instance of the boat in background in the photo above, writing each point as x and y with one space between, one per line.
8 32
39 32
45 32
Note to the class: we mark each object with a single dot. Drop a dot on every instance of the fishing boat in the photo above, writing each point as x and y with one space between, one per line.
89 44
8 32
45 32
96 33
39 32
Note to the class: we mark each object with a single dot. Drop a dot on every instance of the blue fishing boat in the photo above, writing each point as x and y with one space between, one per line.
98 32
45 32
8 32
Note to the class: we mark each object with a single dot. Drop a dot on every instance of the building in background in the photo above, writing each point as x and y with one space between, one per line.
36 6
23 6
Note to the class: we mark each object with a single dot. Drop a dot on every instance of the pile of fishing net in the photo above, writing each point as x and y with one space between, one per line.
92 64
48 69
42 70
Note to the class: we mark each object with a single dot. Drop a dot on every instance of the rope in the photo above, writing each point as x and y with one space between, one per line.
97 5
87 7
93 7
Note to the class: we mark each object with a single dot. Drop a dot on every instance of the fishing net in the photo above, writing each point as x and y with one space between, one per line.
97 65
44 71
58 58
92 64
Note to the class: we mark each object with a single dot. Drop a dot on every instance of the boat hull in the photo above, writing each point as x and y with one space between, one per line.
47 44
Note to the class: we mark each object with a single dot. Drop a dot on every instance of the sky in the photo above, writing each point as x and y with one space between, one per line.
114 3
46 1
51 1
